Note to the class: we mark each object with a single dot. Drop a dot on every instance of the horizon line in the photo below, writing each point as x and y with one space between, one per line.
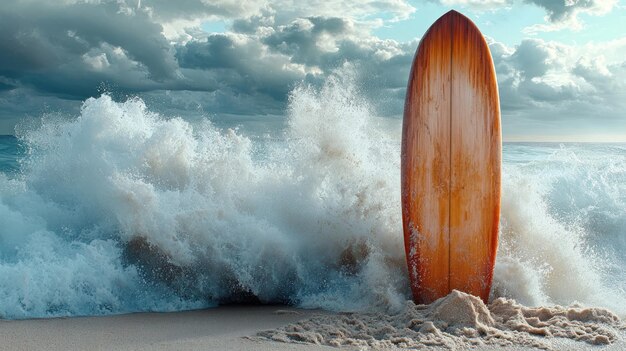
505 141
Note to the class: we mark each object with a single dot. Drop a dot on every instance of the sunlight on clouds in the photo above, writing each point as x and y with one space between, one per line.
552 27
596 65
564 14
355 9
478 4
614 51
97 62
244 57
181 30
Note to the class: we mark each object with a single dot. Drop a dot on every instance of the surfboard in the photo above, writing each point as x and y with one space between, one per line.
451 160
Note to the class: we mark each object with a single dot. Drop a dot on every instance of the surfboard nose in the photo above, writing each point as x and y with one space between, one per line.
453 14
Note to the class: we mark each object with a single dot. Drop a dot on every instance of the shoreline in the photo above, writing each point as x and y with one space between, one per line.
220 328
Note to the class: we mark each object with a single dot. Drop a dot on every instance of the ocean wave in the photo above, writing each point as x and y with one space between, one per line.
121 209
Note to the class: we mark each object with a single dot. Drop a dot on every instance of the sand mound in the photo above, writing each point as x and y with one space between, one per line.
456 321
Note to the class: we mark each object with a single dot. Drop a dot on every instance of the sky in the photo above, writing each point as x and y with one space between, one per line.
561 64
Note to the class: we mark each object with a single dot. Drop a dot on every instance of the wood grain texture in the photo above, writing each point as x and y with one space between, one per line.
451 159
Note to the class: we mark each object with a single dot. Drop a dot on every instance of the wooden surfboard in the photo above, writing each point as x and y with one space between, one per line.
451 159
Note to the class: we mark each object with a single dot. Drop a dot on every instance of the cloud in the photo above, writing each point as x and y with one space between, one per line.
533 73
166 10
478 4
264 58
283 10
547 87
23 107
560 14
595 71
302 39
56 49
352 9
56 54
181 21
567 10
564 13
325 44
240 63
74 49
607 82
534 57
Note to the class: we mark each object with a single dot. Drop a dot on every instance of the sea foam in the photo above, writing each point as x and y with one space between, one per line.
121 209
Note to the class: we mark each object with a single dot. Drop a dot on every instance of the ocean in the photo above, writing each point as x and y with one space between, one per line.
122 209
10 154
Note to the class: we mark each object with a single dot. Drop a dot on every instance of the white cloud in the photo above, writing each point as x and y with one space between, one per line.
478 4
96 61
562 14
614 51
548 87
353 9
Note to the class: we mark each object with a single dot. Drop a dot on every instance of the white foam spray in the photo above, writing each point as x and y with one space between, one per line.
121 209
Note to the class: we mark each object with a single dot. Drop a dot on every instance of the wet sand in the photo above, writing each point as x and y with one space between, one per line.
223 328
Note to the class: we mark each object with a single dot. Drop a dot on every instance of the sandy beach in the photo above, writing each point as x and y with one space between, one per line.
222 328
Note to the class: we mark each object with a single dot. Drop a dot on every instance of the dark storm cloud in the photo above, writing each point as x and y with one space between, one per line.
299 39
48 47
22 107
299 51
241 64
382 65
75 51
5 86
219 51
